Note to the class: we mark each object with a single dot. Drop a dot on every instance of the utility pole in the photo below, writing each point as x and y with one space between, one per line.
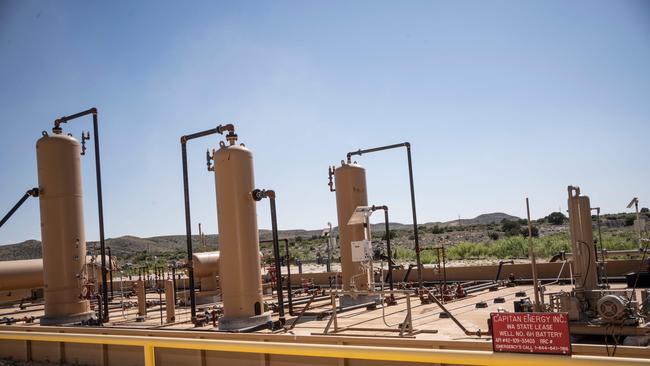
531 252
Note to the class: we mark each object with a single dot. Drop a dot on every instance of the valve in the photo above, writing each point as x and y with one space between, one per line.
84 137
209 159
330 172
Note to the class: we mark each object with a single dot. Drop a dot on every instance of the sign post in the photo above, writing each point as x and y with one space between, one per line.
546 333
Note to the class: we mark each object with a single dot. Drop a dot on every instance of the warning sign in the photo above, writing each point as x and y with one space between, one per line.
531 333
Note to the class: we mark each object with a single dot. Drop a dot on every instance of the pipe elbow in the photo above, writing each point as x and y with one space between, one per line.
33 192
228 127
93 110
260 194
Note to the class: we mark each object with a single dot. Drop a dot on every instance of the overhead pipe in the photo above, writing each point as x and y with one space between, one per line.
30 193
186 193
407 145
100 201
258 195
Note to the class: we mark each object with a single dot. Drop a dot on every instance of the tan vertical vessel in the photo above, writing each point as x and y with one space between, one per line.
582 240
62 229
240 275
351 192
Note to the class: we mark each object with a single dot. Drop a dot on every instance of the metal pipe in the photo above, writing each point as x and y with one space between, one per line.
289 289
186 193
174 282
458 323
407 145
100 201
270 194
386 354
287 258
32 192
110 270
501 263
389 253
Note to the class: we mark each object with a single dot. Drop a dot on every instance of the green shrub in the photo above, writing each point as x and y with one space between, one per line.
534 230
556 218
510 228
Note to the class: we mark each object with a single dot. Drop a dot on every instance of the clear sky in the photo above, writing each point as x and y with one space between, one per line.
500 99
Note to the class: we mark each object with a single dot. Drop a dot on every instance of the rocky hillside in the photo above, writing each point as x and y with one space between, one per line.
127 246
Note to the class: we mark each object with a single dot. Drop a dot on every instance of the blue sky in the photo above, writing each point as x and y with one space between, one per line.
501 100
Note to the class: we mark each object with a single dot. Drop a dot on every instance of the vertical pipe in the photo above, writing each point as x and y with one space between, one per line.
160 303
444 267
415 217
604 277
276 255
388 250
289 290
188 231
330 245
531 252
174 282
100 212
110 269
638 222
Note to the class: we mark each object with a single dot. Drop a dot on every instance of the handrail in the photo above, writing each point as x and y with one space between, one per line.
323 350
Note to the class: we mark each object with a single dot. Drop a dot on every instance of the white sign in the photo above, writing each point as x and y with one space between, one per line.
361 251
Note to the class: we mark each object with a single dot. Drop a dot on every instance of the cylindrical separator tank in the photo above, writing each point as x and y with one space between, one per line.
206 270
351 192
62 229
21 274
28 273
239 262
582 240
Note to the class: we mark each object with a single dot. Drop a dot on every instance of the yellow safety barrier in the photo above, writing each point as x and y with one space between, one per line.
456 357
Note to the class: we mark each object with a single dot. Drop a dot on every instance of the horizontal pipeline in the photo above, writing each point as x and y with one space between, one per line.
456 357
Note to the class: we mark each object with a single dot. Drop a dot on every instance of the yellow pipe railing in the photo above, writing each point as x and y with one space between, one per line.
456 357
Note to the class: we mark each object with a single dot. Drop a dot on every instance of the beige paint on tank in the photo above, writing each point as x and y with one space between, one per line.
351 192
62 228
28 273
21 274
582 240
239 262
206 270
205 264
